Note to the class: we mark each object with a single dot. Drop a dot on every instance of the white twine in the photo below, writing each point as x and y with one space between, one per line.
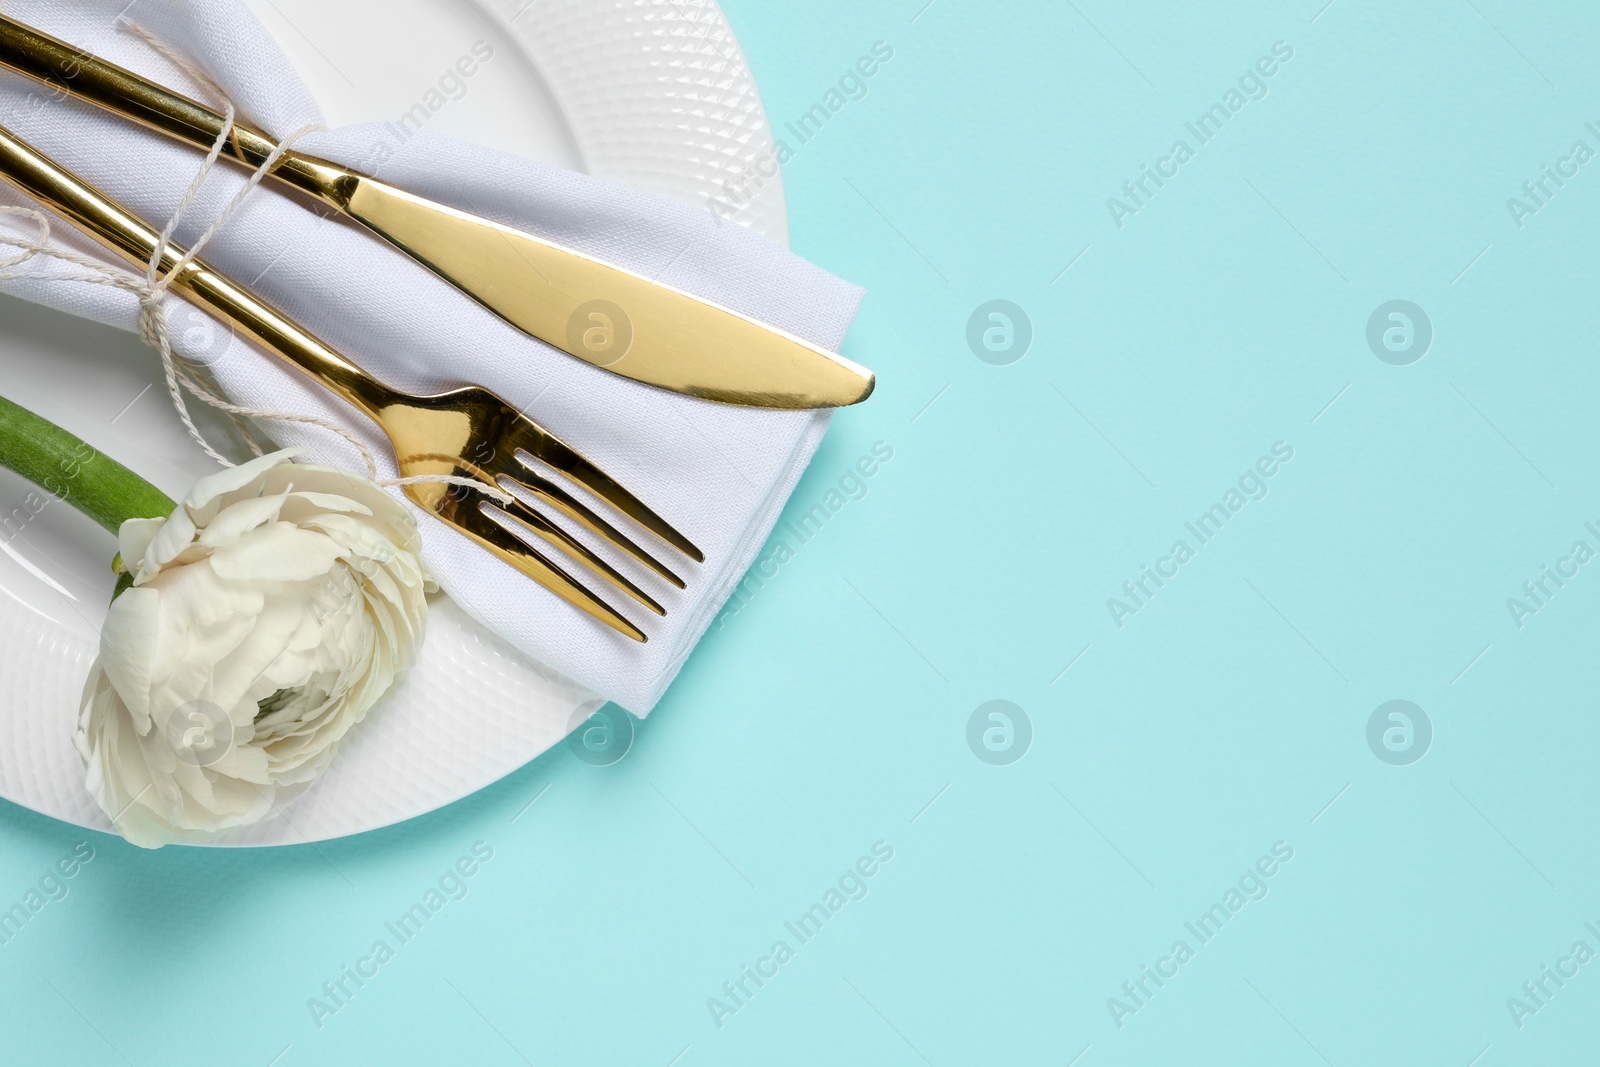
150 289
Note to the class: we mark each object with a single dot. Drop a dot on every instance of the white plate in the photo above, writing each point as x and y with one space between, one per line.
654 93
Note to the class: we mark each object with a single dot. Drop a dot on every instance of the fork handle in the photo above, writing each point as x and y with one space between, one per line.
67 69
124 233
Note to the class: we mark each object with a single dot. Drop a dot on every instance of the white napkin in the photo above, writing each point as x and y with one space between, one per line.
719 474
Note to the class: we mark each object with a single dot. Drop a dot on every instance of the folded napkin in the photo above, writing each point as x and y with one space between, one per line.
719 474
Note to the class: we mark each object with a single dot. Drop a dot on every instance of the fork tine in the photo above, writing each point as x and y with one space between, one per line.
543 528
551 493
470 518
551 450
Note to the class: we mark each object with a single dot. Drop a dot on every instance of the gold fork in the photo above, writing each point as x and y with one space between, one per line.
467 433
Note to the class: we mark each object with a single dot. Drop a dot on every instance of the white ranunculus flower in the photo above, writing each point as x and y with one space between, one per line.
267 615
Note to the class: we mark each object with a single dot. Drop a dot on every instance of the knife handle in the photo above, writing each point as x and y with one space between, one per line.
67 69
96 214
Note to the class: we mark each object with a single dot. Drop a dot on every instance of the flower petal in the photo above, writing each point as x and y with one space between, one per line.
279 553
207 490
235 520
133 540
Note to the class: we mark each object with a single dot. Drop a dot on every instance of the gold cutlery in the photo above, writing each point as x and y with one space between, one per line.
464 433
602 314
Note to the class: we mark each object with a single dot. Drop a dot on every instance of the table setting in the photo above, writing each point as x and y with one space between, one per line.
703 531
474 461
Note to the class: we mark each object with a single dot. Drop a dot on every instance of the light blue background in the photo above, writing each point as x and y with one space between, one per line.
1230 713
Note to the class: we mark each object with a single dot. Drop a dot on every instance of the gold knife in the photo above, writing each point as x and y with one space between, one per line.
603 314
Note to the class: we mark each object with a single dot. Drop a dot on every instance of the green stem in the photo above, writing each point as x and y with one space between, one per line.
72 470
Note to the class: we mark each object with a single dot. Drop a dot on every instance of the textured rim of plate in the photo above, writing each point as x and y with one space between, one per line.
658 96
